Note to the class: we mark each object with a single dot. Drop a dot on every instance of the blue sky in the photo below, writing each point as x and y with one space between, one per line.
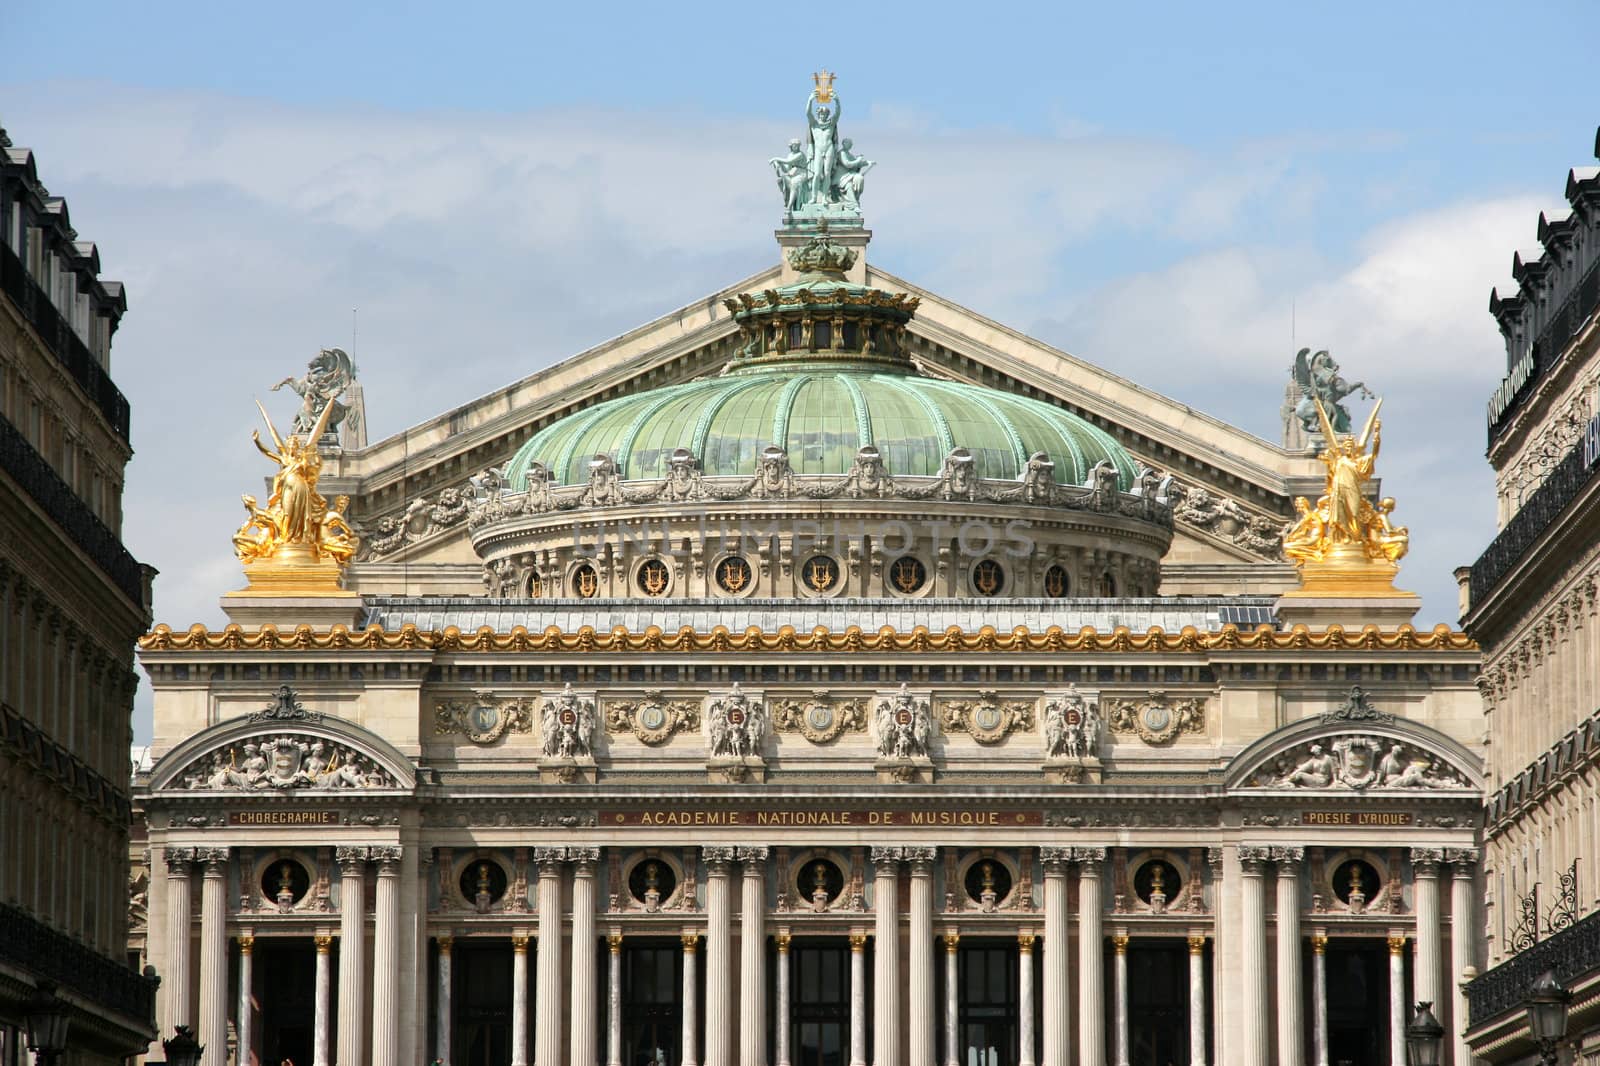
1158 189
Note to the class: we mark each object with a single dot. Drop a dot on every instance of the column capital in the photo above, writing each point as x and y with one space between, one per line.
952 941
1465 860
1088 858
884 856
1319 944
1251 857
689 941
717 858
1025 941
247 943
920 857
781 940
1120 943
388 857
215 860
614 943
1288 857
350 856
549 860
751 855
1197 945
445 942
324 943
858 942
179 860
519 943
1425 861
585 858
1214 860
1397 945
1054 858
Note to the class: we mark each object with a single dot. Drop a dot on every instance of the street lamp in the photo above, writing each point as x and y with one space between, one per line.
45 1015
1424 1037
182 1049
1547 1016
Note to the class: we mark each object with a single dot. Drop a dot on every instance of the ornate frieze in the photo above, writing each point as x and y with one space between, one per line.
566 722
1360 762
1071 726
652 717
422 518
1222 517
988 719
904 724
1155 718
484 718
821 718
278 762
737 724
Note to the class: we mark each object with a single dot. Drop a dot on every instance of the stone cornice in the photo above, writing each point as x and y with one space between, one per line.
586 639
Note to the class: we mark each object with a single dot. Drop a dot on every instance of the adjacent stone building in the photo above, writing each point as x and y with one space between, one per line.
820 674
1531 600
72 604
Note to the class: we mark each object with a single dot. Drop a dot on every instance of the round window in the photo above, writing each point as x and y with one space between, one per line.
819 573
653 577
820 882
988 882
285 882
483 883
585 581
907 574
1355 882
1157 883
1056 582
734 575
651 882
988 578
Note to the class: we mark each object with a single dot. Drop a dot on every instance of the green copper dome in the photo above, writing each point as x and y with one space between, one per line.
822 413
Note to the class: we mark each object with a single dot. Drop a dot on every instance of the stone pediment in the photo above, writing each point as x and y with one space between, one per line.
284 749
413 492
1366 753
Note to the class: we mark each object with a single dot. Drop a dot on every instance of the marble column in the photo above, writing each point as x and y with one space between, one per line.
1253 956
858 999
1119 1006
922 1038
720 1017
886 957
1397 1001
614 1000
585 1012
1025 1037
519 999
386 958
1057 1019
180 906
781 1015
243 1023
1091 955
1197 1001
1425 891
1319 1000
324 995
1463 923
1291 1015
551 981
352 954
213 1030
444 1018
952 998
691 999
752 957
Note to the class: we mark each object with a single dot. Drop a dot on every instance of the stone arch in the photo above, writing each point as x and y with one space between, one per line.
1455 768
176 768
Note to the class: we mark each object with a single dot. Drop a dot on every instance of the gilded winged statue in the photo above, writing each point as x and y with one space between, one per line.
1343 523
296 525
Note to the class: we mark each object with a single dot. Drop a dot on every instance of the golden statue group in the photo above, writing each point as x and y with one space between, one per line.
1343 532
296 532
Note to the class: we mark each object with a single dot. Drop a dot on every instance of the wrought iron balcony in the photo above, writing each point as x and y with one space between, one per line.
1541 510
51 954
64 344
1570 954
29 470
